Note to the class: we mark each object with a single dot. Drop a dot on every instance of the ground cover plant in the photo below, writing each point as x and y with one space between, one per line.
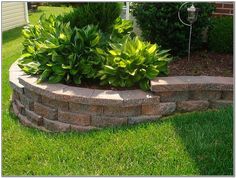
199 143
73 54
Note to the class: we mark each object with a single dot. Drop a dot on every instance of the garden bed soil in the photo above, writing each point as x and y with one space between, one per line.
203 63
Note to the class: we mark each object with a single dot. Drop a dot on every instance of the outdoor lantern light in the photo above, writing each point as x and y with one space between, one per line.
192 14
192 17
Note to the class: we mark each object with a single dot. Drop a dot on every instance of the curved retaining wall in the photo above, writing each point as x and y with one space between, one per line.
58 107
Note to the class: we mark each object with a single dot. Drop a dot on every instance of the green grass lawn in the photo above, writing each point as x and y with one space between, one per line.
199 143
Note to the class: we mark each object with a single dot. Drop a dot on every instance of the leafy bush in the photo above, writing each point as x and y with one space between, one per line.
160 24
101 14
221 35
133 62
58 53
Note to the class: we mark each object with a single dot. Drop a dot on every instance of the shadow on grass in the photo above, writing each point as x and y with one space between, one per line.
12 34
208 138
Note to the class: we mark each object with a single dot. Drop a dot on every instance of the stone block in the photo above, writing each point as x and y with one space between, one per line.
204 95
15 110
151 109
45 111
122 111
25 121
192 105
103 121
55 126
33 117
85 108
20 106
106 97
74 118
167 108
75 94
83 128
227 95
15 85
173 96
56 104
27 102
15 95
32 95
221 104
138 97
164 84
139 119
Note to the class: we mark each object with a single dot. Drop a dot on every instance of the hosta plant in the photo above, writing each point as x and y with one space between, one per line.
133 62
61 54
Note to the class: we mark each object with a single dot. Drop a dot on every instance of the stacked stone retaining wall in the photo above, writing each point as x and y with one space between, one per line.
58 107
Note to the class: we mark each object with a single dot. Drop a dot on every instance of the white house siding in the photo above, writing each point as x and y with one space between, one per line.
13 15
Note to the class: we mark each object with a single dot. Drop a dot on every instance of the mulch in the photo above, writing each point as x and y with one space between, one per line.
203 63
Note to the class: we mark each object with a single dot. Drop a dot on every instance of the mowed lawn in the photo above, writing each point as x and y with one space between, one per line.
199 143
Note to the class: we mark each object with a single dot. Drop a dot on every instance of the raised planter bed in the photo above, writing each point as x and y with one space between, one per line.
58 107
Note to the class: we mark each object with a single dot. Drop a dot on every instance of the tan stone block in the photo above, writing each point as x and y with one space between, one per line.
221 103
15 110
122 111
103 121
192 105
150 109
56 104
85 108
32 95
167 108
140 119
19 106
164 84
74 118
55 126
45 111
172 96
227 95
33 117
27 102
83 128
204 95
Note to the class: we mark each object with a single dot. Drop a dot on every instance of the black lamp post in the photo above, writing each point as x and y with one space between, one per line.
192 17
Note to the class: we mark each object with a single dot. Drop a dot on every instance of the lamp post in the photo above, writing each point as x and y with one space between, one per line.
192 17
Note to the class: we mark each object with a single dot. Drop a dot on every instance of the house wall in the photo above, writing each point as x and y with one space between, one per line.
13 15
224 8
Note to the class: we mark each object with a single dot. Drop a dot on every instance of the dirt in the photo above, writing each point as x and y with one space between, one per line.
203 63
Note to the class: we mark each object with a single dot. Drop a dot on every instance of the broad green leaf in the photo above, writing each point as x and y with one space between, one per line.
152 49
66 66
30 49
115 52
151 72
144 85
44 76
77 80
95 41
55 78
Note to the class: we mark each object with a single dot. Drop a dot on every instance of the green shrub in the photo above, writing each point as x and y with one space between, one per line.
101 14
160 24
58 53
133 62
221 35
